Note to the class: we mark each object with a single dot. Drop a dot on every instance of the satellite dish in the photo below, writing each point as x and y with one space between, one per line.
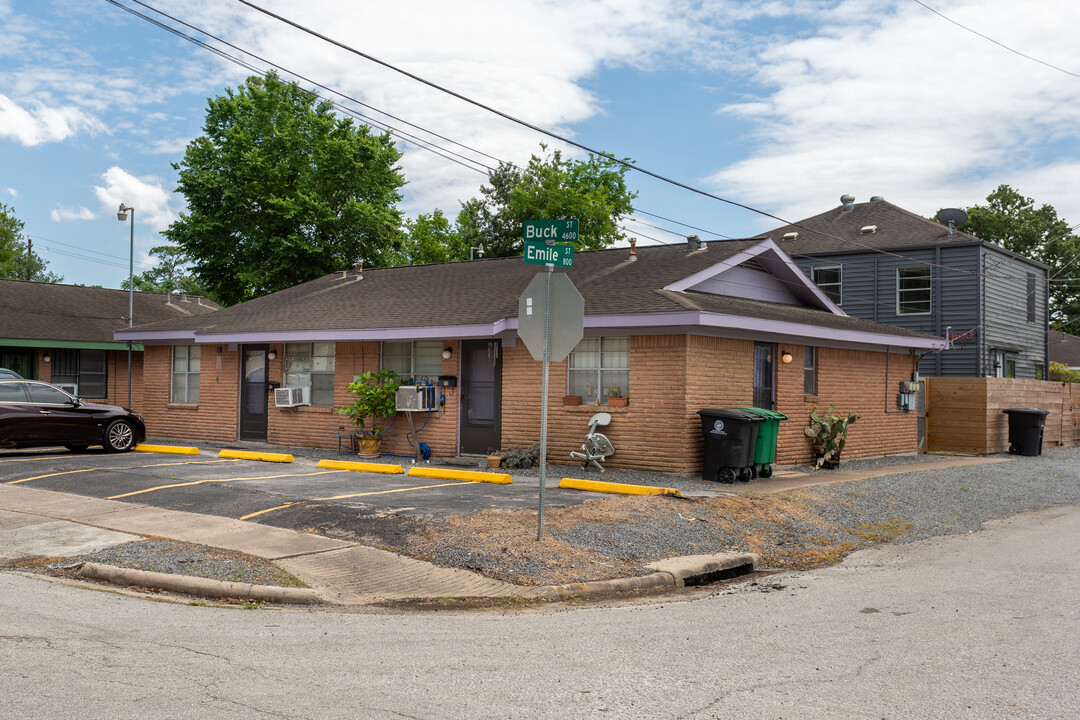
953 217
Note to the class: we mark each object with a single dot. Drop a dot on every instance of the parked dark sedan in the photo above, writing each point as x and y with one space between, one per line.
37 414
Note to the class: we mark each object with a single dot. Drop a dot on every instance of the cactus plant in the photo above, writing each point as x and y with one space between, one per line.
828 435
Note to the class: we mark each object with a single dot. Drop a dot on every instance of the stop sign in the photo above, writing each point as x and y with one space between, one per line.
567 316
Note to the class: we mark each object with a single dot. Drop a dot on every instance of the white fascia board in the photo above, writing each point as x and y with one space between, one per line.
766 247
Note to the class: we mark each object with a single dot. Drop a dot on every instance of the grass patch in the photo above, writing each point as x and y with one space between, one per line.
885 531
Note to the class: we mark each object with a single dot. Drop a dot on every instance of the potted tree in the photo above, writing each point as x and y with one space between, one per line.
376 396
828 435
616 399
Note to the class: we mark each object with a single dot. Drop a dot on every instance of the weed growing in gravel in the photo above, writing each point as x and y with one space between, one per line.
885 531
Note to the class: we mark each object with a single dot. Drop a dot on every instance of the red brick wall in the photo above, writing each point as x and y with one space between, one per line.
671 378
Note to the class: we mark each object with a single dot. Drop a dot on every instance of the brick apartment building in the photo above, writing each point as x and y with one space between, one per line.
673 328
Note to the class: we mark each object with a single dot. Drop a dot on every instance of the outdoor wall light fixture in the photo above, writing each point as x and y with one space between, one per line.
785 357
47 357
447 353
271 355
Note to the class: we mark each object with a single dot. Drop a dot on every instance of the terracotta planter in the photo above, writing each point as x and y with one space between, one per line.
494 461
368 446
618 401
571 400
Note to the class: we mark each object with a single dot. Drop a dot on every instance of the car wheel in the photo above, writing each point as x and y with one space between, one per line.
119 436
76 448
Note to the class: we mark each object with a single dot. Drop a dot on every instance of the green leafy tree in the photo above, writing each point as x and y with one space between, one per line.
430 238
168 275
550 187
1014 222
280 191
18 261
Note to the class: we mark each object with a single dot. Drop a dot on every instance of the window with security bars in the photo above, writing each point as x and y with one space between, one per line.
185 374
830 278
311 365
85 369
913 290
599 368
414 360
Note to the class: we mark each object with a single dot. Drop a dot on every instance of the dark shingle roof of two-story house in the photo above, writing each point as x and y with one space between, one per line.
882 263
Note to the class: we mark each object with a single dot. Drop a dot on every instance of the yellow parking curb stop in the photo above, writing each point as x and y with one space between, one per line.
170 449
616 488
361 466
265 457
470 475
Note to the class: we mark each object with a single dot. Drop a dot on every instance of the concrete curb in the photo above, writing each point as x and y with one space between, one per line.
616 488
361 467
264 456
673 572
469 475
200 587
168 449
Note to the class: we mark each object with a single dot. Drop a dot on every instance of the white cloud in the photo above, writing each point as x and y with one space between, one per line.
146 195
65 214
890 99
12 192
42 123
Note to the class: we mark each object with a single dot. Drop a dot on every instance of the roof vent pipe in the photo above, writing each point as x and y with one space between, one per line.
633 248
847 202
877 198
183 296
693 242
359 269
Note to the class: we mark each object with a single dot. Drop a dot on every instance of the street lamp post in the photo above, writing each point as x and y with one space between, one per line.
122 215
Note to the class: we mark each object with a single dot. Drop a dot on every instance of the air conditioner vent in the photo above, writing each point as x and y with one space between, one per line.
292 396
415 398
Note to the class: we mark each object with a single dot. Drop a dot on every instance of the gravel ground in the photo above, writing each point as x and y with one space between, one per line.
616 536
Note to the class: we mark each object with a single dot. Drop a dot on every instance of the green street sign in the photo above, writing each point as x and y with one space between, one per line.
538 252
558 230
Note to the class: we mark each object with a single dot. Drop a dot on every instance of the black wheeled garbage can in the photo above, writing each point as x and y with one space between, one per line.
1026 430
730 438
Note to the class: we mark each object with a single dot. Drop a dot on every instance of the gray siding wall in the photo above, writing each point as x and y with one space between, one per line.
869 292
1005 324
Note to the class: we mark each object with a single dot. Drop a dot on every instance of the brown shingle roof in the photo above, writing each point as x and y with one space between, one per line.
487 291
44 311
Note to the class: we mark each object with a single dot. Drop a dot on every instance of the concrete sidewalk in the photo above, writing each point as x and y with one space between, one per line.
43 523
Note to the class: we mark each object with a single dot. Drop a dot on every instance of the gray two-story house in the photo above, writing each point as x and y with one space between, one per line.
880 262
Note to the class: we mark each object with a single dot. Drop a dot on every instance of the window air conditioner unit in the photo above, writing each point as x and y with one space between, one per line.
415 398
69 388
292 396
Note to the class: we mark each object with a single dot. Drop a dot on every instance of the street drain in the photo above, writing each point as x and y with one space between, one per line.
716 576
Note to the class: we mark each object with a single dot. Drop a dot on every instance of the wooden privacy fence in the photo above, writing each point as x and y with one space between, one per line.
965 414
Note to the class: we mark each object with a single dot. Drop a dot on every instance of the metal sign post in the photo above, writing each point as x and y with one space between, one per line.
564 308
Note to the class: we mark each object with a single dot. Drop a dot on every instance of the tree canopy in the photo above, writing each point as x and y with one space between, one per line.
550 187
168 275
430 238
1013 221
280 191
18 261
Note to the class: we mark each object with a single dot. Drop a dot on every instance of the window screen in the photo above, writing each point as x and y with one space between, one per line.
598 367
185 374
913 290
311 365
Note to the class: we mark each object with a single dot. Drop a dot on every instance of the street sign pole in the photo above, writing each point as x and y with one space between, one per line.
544 405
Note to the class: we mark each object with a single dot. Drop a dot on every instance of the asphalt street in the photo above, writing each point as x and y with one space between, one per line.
981 625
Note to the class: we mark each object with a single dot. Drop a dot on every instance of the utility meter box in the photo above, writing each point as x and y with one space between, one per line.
415 398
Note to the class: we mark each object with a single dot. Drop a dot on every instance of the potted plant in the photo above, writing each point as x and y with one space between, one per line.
828 435
571 400
376 399
616 399
494 459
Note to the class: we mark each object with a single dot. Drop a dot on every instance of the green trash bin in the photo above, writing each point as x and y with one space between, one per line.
767 431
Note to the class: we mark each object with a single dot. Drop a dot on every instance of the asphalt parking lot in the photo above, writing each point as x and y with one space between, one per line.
297 495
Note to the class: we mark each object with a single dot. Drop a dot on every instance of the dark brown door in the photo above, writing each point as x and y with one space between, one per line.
481 396
253 393
764 376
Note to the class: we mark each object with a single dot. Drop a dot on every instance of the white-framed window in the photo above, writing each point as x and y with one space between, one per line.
311 365
810 370
597 367
830 278
913 290
413 359
185 373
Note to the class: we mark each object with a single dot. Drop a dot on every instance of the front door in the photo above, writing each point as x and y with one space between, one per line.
481 397
253 393
764 387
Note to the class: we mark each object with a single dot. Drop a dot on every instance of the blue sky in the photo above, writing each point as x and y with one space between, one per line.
783 106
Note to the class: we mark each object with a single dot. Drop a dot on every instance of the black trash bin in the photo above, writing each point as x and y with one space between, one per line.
730 439
1026 430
